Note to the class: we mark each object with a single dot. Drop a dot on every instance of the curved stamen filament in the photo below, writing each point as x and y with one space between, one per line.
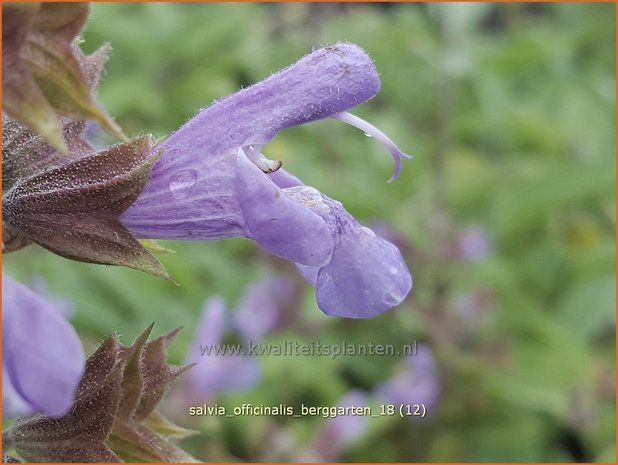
267 166
374 132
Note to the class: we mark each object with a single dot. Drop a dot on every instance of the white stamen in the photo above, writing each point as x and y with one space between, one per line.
374 132
266 165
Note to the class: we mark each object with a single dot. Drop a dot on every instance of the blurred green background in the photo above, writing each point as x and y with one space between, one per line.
509 112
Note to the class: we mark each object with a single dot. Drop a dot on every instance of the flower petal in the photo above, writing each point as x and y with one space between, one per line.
215 371
366 275
284 179
262 306
189 196
338 432
190 193
13 405
211 327
279 224
347 428
418 383
310 273
325 82
41 351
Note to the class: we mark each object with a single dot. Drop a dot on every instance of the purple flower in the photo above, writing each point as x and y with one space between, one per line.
366 275
348 428
417 383
212 182
262 307
338 432
42 357
215 371
474 244
470 308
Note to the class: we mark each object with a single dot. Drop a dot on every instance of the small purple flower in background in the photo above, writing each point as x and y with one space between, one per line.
42 357
468 313
265 306
474 244
417 383
339 432
215 371
473 306
212 182
262 308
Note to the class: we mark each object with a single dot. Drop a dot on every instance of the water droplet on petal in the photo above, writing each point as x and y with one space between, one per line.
182 182
393 270
391 299
369 232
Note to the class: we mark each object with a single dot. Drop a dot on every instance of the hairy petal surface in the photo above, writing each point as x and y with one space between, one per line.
188 201
212 182
323 83
202 187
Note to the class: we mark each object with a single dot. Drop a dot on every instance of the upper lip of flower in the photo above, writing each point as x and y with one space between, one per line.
325 83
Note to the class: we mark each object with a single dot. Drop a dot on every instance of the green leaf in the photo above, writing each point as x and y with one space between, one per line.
133 380
135 442
25 154
524 206
146 377
161 425
590 307
12 240
107 421
73 209
608 455
44 72
81 435
153 246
